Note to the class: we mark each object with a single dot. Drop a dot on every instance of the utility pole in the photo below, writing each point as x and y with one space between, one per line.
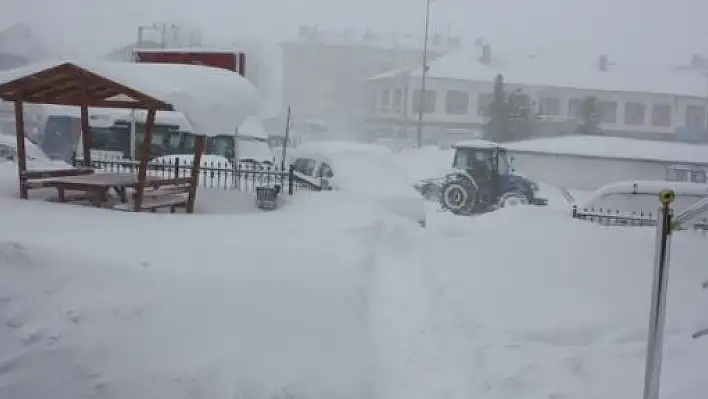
419 127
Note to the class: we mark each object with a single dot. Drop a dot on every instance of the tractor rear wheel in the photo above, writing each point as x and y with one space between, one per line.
459 196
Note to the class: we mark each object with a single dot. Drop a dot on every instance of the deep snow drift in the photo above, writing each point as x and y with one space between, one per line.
330 298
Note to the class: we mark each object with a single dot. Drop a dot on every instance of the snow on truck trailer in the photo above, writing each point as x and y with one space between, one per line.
232 60
247 146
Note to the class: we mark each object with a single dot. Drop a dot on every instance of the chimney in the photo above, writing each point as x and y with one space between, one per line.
603 63
486 57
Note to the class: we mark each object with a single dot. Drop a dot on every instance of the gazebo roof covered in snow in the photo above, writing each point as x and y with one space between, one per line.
214 101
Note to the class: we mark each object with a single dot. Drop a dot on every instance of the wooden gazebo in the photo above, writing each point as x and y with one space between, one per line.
70 84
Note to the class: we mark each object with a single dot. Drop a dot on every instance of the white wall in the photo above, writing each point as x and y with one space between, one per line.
584 173
475 88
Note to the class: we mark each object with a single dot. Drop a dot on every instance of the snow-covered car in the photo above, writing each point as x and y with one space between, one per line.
36 158
364 171
642 196
252 143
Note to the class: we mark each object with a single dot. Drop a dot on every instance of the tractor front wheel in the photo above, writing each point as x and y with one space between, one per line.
459 196
512 198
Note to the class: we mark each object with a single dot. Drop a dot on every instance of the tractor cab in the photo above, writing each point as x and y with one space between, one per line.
483 179
485 161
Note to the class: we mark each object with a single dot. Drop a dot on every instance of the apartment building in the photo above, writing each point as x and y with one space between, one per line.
637 103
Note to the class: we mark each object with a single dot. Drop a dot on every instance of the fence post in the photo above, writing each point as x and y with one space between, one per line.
657 315
177 168
291 178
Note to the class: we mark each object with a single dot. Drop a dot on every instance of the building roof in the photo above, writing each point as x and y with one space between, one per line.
20 40
214 101
614 148
562 71
477 143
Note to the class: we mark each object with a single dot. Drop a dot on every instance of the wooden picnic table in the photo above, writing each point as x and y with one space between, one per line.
98 185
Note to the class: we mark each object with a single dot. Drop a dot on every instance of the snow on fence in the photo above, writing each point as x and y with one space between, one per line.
244 177
615 217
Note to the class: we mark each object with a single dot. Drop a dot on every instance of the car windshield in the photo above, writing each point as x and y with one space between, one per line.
222 145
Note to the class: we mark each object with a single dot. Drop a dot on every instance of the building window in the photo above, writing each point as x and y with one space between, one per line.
457 102
549 106
695 117
428 101
608 111
661 115
574 107
372 100
385 104
484 101
634 113
397 101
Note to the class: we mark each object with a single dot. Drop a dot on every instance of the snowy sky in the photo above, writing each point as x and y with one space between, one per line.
646 30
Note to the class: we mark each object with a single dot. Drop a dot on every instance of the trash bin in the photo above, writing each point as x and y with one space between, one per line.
267 197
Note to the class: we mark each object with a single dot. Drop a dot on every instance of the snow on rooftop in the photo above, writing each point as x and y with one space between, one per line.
564 71
252 127
477 143
215 101
614 147
202 49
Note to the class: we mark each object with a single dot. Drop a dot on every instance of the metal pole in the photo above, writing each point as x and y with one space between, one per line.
419 127
657 315
133 127
285 144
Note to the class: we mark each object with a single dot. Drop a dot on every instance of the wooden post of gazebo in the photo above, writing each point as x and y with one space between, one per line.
21 151
85 136
194 177
142 171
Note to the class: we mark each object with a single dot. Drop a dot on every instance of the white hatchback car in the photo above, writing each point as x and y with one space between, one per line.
642 196
365 171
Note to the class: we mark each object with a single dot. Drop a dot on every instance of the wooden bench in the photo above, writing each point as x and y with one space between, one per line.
34 179
155 202
165 190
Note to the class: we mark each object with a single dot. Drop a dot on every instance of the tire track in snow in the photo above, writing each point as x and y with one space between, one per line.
408 349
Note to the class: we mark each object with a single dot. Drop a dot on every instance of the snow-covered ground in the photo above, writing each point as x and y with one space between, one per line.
332 298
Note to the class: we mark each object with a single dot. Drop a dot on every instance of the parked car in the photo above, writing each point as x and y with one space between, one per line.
642 196
692 173
36 158
365 171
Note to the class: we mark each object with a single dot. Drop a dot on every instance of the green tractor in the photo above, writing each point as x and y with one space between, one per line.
483 180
